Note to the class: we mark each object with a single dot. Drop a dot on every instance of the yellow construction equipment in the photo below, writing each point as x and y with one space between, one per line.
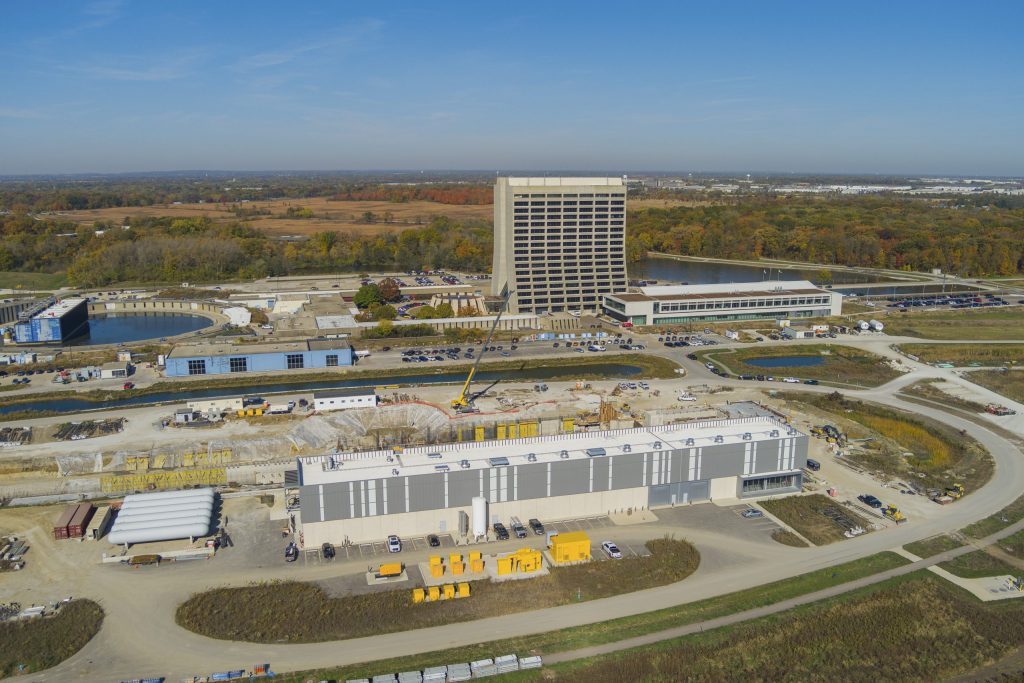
418 595
464 402
893 513
570 547
956 491
391 569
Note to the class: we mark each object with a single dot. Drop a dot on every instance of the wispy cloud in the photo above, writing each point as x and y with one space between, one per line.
170 68
16 113
345 37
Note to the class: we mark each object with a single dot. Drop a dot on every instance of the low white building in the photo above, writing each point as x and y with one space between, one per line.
343 399
115 370
238 316
667 305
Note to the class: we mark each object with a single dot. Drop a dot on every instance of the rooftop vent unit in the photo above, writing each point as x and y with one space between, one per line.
434 456
747 436
656 445
531 457
774 433
464 464
596 452
719 439
500 461
394 472
791 432
689 441
563 455
626 448
441 468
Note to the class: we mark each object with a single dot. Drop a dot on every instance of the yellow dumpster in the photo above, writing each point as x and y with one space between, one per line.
435 593
417 596
506 565
571 547
435 559
437 570
463 590
454 557
449 591
476 565
458 568
475 555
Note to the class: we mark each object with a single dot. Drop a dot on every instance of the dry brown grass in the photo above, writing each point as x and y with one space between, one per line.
806 515
303 612
786 537
41 643
329 214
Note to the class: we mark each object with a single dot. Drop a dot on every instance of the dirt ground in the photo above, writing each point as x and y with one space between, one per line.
328 214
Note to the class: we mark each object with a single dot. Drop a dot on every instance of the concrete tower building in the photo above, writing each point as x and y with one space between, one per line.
559 243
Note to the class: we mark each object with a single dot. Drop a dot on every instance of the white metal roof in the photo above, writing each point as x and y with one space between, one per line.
356 466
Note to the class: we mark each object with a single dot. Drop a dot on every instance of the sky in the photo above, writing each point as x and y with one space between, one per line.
856 87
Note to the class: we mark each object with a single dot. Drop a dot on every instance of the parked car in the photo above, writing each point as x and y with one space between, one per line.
328 551
870 501
810 381
519 530
500 531
433 540
686 397
537 527
291 553
394 544
791 380
611 550
751 513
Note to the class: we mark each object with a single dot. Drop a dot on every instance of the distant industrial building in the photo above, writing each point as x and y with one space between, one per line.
52 320
223 358
426 489
559 243
344 399
666 305
9 310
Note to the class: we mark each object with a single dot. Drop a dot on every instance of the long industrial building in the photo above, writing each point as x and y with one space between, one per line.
223 358
363 496
54 320
672 304
559 243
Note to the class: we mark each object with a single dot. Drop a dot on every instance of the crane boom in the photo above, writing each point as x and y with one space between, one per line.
464 402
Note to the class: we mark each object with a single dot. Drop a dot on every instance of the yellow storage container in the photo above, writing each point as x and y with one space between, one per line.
449 591
241 413
458 568
506 565
435 559
475 555
479 434
435 593
391 569
437 570
454 557
500 431
476 565
463 590
571 547
418 596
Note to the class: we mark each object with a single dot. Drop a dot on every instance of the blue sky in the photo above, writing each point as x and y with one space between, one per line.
886 87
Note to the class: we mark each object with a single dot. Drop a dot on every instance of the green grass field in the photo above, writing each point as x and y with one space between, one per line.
933 546
979 564
31 282
1009 384
260 613
964 354
1013 512
999 323
805 514
39 644
609 631
842 365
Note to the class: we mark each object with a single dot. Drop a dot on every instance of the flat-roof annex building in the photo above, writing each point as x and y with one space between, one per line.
361 496
664 305
559 243
224 358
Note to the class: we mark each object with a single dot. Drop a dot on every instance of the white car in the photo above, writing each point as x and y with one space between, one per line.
791 380
686 397
394 544
611 550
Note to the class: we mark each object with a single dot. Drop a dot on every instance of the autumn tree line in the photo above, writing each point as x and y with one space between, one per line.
967 239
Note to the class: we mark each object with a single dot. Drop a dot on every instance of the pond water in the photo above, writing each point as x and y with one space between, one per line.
785 361
115 328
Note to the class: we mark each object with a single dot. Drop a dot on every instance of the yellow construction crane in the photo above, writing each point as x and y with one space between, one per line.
465 401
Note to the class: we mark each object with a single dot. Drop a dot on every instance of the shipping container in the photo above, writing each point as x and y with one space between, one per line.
99 524
60 529
80 520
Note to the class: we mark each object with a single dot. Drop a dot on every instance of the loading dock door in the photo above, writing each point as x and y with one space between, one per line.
678 494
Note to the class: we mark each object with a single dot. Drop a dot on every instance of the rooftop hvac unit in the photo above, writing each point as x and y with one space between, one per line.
434 456
394 472
596 452
531 457
689 441
656 445
563 455
500 461
626 448
719 439
774 433
747 436
441 468
464 464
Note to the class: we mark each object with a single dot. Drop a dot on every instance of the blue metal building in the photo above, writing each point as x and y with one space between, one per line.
222 359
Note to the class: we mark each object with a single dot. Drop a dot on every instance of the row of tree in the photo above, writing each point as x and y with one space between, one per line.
880 232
